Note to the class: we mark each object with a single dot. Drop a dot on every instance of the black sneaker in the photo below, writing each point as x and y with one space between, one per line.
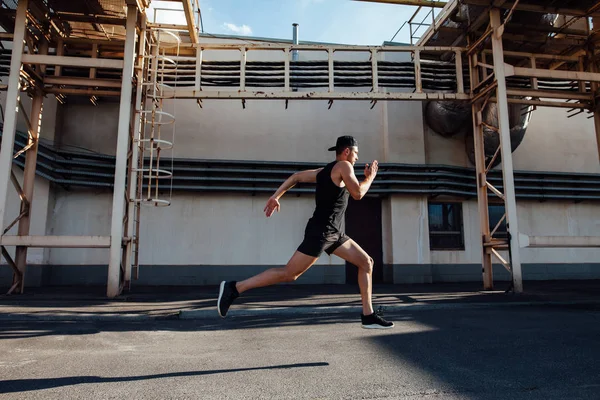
375 321
227 294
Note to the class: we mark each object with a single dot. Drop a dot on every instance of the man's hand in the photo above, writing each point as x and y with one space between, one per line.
272 205
371 171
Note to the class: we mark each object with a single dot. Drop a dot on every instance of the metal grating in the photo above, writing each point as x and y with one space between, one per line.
113 8
96 31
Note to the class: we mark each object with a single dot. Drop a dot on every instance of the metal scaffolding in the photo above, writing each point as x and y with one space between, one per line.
62 52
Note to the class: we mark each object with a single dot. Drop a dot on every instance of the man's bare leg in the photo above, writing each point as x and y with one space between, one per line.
295 267
353 253
229 291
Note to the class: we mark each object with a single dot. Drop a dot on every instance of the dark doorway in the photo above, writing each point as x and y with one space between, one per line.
363 224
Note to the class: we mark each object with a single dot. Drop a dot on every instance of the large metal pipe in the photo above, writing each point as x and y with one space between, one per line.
295 41
231 176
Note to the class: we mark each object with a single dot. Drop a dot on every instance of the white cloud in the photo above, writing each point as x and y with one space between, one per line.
240 30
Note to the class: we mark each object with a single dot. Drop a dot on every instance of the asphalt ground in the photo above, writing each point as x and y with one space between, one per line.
534 351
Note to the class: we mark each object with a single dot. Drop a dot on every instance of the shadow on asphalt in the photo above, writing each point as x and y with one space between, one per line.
24 385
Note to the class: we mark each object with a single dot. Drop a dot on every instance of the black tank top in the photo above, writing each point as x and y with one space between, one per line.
331 201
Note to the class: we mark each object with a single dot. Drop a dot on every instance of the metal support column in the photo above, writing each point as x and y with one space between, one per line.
480 165
132 178
118 208
28 184
10 117
506 151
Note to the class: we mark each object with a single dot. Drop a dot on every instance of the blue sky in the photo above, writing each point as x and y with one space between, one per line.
332 21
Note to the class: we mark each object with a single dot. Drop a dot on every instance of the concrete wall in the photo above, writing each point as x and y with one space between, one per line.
266 131
559 219
225 230
89 127
80 213
554 142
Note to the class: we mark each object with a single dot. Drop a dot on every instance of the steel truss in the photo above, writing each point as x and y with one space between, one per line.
128 68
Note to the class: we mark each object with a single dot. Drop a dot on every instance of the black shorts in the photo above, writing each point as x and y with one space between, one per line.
315 242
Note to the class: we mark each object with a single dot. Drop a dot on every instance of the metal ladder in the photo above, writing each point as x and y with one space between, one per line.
150 139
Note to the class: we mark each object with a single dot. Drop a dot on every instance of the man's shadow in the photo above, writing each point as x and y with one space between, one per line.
23 385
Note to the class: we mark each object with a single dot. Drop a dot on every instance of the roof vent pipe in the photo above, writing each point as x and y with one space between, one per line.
295 40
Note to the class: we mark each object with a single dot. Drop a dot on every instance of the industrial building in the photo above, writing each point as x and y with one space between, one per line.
153 152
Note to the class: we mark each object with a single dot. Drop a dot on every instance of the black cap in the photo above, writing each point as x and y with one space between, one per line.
344 141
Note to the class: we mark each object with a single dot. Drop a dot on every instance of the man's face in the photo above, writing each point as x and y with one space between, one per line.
352 154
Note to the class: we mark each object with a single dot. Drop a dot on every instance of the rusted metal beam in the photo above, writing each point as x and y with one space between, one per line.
72 61
550 94
83 92
18 188
189 18
501 259
17 273
176 27
539 56
482 196
25 211
324 47
84 242
113 43
263 95
107 83
28 182
541 103
554 74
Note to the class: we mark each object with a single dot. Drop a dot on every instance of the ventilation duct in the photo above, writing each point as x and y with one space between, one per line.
448 118
451 118
519 117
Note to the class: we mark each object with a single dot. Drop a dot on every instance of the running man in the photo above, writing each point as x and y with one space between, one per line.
336 182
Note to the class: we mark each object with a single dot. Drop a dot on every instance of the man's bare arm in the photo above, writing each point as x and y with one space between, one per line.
308 176
358 190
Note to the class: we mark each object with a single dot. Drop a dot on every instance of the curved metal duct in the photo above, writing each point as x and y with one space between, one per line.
448 118
451 118
519 117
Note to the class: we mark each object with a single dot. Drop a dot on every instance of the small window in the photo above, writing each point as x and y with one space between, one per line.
496 212
446 226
